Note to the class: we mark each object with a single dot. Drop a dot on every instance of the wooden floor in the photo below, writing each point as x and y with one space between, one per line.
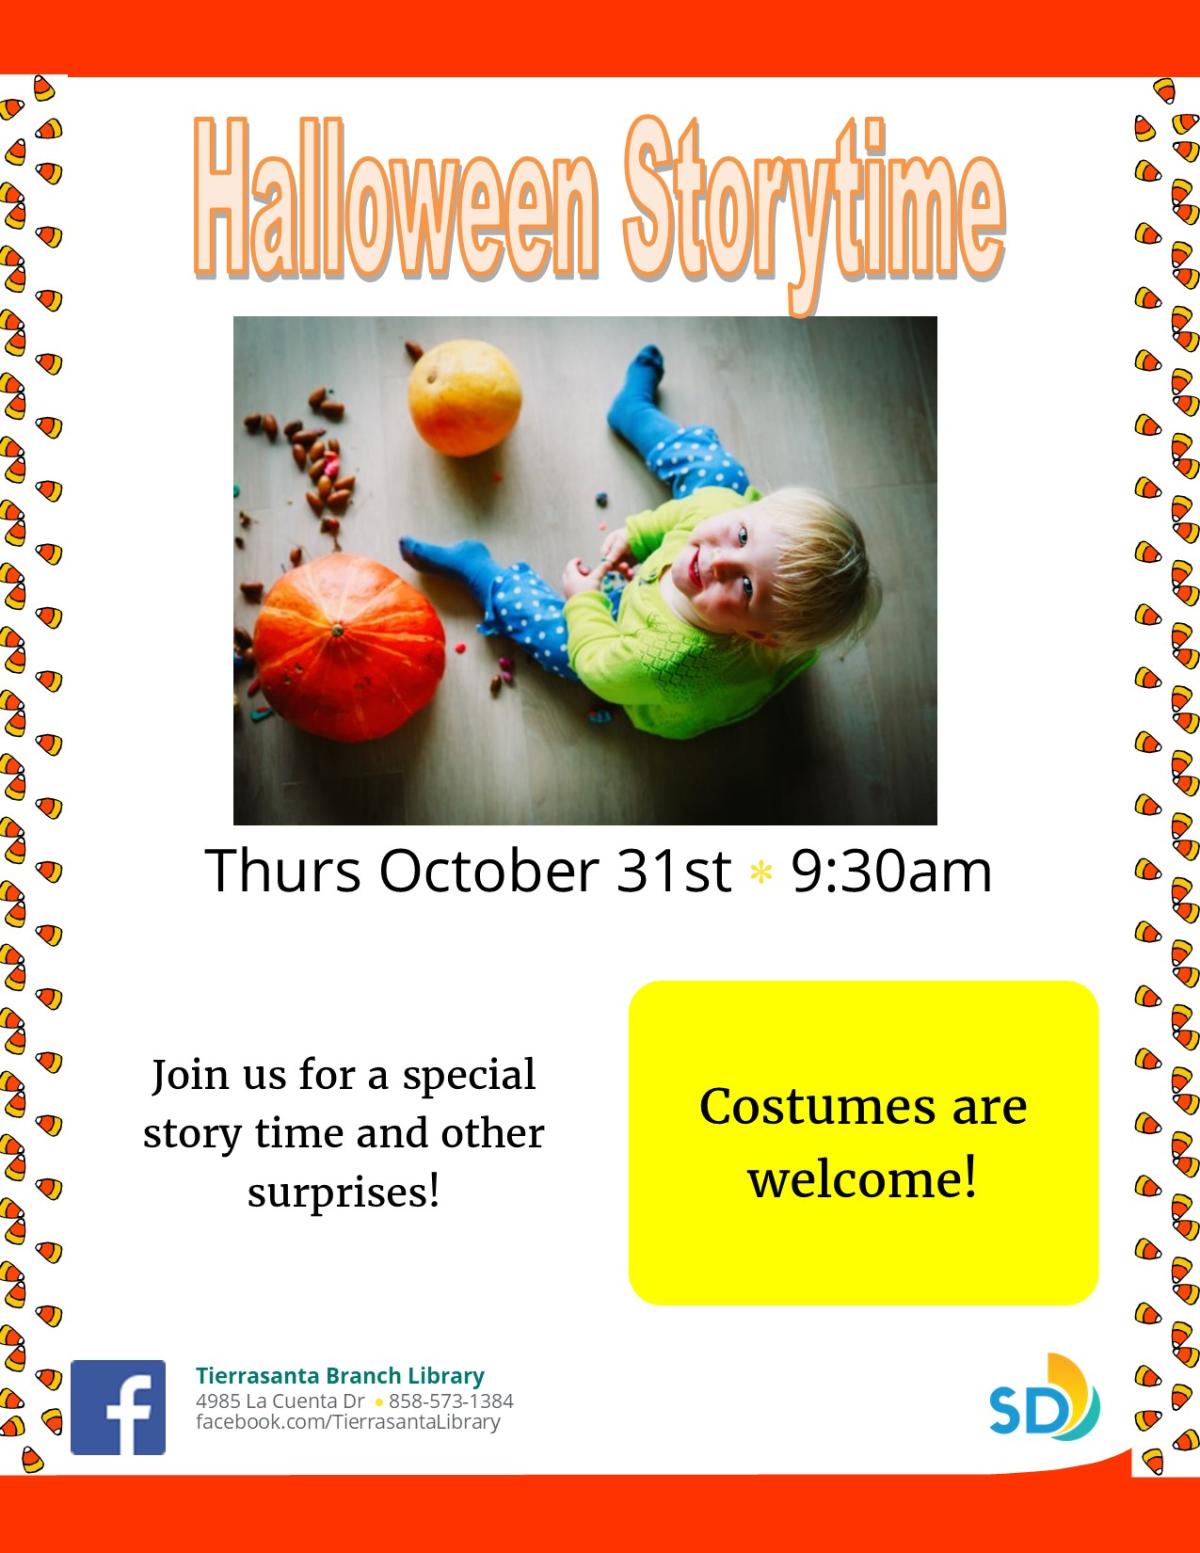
846 405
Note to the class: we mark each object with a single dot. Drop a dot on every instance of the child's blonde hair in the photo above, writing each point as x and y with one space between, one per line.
824 588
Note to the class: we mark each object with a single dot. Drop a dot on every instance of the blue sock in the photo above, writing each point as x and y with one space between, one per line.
634 413
468 562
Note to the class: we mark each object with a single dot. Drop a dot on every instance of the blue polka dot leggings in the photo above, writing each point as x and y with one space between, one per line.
685 457
525 608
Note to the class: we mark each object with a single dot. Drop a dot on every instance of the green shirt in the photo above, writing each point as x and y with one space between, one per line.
672 678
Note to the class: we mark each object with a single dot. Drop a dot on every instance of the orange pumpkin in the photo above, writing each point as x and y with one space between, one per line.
347 649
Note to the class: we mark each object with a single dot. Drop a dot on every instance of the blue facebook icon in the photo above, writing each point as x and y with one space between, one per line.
118 1407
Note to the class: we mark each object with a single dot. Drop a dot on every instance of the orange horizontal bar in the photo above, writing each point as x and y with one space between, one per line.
621 38
1100 1505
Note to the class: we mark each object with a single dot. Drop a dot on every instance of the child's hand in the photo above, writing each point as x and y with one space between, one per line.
617 547
576 577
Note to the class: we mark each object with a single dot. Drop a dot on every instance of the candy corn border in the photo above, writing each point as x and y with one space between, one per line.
772 1498
28 1084
1162 1380
30 385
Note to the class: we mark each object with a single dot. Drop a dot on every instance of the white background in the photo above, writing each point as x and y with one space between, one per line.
522 1269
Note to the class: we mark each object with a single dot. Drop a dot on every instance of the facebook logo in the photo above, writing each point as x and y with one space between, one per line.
118 1407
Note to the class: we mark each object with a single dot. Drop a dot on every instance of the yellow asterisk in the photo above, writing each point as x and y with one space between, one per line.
760 871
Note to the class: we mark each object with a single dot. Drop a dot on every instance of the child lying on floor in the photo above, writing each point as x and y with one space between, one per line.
735 591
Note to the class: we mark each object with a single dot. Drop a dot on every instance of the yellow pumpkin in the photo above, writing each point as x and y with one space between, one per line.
464 397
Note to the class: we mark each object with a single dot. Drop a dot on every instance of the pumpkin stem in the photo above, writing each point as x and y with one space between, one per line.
339 629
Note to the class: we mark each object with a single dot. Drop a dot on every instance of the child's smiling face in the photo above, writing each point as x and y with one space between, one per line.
725 574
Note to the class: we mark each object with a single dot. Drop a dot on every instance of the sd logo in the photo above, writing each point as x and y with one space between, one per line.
1060 1409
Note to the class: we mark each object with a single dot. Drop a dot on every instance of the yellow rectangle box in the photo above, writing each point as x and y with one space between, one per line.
1016 1223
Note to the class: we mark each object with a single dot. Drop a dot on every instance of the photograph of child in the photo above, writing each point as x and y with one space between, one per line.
686 630
734 595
